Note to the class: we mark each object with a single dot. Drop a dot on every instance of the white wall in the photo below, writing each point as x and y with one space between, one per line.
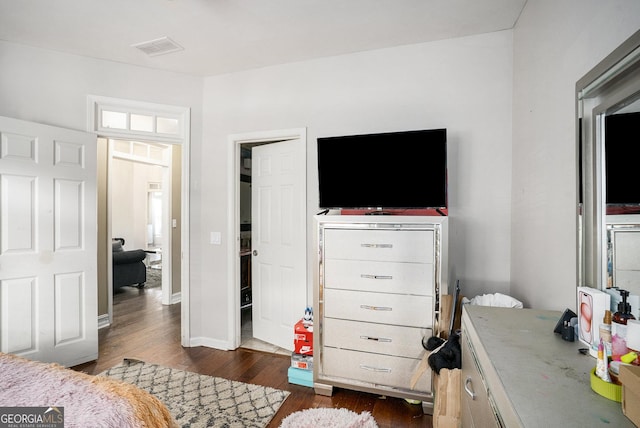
122 198
129 196
555 44
463 85
51 87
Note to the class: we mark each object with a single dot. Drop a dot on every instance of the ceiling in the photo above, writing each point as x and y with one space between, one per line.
223 36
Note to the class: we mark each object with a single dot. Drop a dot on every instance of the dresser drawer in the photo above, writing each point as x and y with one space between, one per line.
381 277
476 407
374 369
411 311
377 338
380 245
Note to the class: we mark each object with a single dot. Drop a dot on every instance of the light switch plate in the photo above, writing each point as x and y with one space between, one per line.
216 238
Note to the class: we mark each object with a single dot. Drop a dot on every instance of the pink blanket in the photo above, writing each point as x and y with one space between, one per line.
88 401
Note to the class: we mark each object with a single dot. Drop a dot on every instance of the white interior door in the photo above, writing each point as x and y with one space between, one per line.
278 240
48 248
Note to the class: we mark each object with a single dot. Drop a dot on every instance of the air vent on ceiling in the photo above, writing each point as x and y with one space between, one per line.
161 46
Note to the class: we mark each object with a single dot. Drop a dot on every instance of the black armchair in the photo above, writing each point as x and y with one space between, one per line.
128 266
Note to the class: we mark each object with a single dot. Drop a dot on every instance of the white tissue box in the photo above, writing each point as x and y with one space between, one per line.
633 335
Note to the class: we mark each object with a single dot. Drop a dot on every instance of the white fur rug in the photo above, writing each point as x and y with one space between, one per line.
329 418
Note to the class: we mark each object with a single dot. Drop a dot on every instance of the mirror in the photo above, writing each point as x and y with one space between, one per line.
608 146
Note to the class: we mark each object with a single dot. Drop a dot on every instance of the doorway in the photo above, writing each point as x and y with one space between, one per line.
268 294
247 339
140 183
128 120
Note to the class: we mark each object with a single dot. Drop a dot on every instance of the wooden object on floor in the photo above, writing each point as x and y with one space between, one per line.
446 307
446 412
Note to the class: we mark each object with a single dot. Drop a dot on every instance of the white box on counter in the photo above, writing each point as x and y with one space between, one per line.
592 303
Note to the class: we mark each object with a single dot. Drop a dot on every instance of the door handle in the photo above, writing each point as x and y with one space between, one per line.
375 369
368 276
255 252
468 390
376 308
377 339
367 245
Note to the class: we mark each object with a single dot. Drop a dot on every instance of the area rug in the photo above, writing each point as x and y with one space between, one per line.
328 418
154 278
196 400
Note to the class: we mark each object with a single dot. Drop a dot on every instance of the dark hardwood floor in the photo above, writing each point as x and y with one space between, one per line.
145 329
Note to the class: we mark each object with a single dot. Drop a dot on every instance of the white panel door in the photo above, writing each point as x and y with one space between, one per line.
48 248
278 238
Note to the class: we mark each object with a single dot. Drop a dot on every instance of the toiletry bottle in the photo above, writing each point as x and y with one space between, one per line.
605 332
602 367
619 327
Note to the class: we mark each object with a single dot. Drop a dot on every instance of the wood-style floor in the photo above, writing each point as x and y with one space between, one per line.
145 329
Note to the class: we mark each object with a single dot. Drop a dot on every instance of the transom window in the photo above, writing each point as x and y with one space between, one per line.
139 122
149 121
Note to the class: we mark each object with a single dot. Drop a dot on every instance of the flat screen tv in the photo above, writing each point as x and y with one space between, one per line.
622 151
395 170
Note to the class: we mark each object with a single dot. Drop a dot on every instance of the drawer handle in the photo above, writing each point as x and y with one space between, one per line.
376 308
368 276
468 390
375 369
376 339
376 245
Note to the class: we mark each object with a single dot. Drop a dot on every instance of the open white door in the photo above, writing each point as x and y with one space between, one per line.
48 248
278 240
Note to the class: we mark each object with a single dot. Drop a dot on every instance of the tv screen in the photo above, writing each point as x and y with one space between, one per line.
622 151
388 170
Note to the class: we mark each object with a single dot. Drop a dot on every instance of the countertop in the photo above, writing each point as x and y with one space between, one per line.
536 378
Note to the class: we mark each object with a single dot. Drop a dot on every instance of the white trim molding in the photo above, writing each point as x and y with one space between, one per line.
180 134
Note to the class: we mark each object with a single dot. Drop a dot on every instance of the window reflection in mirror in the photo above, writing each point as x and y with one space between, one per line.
608 108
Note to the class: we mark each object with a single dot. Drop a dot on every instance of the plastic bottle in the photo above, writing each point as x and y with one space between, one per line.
619 327
605 332
602 366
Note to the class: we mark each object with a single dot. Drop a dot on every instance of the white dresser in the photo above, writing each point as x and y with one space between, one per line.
516 372
376 295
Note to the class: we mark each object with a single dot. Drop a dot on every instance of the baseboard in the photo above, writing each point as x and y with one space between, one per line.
210 343
103 321
176 298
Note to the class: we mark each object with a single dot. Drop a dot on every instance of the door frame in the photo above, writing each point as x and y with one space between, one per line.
95 104
233 284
